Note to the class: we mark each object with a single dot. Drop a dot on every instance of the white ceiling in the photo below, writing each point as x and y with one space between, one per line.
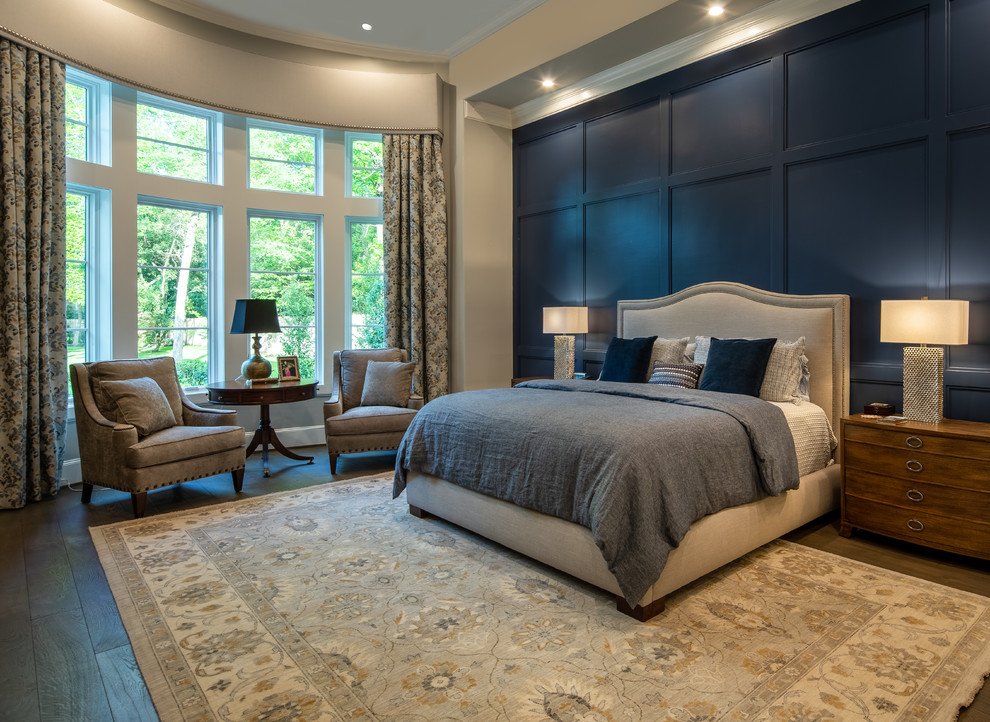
434 31
411 29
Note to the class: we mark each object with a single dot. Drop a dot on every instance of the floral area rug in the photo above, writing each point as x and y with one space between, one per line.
333 603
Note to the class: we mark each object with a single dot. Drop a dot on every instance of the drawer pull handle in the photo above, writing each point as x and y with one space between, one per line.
915 495
914 465
915 525
914 442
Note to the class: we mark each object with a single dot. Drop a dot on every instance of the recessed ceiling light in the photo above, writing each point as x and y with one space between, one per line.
366 26
548 83
716 10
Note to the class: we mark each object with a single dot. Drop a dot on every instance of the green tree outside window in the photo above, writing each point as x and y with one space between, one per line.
76 127
282 160
171 143
283 268
173 288
367 285
367 161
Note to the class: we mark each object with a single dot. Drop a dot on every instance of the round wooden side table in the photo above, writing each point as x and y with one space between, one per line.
245 393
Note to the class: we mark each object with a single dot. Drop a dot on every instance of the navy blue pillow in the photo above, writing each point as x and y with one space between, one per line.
627 359
736 365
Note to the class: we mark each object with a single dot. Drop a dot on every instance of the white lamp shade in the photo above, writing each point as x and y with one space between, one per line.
565 319
929 321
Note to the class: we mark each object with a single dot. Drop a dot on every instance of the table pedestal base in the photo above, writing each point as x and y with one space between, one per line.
265 435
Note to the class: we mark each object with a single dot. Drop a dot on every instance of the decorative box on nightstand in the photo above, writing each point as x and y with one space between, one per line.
923 483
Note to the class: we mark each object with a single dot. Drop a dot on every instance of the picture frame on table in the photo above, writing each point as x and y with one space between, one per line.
288 368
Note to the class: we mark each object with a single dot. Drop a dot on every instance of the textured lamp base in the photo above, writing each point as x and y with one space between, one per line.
563 357
923 383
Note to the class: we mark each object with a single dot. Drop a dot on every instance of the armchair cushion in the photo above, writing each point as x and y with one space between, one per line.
139 402
179 443
387 383
353 364
370 420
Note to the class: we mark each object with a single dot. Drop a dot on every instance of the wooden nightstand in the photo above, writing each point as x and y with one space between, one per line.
923 483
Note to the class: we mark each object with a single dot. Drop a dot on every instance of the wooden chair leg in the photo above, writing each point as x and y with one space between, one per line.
238 475
87 493
333 462
138 502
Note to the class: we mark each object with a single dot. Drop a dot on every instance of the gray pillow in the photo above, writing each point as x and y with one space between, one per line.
782 381
354 365
141 403
670 351
387 383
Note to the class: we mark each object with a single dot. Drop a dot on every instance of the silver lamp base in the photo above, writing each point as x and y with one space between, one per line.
923 367
563 357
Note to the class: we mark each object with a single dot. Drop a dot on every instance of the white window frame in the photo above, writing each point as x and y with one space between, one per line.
349 138
99 264
214 303
317 220
214 135
349 296
315 133
97 123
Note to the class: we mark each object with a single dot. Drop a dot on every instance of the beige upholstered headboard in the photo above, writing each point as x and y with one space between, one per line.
732 310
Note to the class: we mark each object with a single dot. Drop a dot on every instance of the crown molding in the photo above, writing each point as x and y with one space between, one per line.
518 9
488 113
752 26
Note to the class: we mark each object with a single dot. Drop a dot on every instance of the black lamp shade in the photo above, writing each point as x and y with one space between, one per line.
255 315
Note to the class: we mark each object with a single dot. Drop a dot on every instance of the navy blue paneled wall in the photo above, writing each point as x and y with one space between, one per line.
849 154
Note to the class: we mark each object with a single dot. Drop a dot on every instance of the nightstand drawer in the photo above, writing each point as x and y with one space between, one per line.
913 440
943 532
914 494
912 464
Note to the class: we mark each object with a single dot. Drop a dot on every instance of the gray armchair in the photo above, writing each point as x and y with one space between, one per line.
138 431
370 407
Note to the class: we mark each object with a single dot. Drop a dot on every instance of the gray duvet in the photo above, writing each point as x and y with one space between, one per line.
636 464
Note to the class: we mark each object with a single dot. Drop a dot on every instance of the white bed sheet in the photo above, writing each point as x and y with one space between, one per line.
814 439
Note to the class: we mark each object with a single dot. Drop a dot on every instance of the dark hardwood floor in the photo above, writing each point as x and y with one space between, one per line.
64 654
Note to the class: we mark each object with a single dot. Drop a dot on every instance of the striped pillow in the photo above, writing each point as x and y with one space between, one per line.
685 376
670 351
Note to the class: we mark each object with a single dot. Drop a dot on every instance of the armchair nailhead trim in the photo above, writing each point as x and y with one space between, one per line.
162 486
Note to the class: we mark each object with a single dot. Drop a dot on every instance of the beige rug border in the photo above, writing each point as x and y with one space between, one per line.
970 683
147 661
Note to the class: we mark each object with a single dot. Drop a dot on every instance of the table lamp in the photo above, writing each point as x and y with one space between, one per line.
257 316
924 321
564 321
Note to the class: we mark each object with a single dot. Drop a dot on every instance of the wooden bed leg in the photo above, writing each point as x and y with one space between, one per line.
418 513
640 614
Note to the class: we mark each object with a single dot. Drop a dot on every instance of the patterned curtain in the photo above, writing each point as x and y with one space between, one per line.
33 383
415 210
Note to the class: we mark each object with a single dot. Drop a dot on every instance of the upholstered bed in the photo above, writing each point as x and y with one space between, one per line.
723 310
